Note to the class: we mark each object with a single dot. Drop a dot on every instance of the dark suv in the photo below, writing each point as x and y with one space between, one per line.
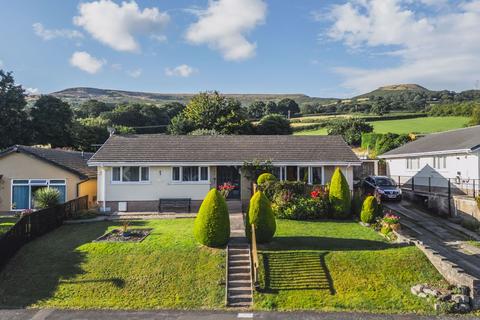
384 186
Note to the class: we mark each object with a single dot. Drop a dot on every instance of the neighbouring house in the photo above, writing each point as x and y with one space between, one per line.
135 171
24 169
442 169
453 155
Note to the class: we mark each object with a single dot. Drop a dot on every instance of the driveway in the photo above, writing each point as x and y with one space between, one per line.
46 314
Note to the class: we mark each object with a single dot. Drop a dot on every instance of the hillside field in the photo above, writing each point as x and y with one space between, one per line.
417 125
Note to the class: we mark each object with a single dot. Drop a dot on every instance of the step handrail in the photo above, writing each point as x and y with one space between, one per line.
254 259
226 278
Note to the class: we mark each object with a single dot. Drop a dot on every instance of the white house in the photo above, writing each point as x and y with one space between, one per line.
135 171
437 158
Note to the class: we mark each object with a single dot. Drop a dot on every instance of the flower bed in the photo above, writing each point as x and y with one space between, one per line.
132 235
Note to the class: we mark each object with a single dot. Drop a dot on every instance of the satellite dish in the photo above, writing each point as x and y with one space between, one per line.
111 130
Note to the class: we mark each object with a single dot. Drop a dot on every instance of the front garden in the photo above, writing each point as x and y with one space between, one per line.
65 269
340 266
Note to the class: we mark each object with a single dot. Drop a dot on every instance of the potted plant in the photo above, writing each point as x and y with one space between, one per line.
225 189
392 221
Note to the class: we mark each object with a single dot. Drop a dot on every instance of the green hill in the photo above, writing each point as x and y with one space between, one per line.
393 90
78 95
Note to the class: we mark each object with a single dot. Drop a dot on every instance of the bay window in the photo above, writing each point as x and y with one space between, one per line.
190 174
130 174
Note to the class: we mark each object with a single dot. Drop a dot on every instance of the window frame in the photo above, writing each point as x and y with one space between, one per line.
199 175
140 175
35 183
440 162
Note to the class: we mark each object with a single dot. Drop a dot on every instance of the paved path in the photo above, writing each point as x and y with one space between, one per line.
441 235
202 315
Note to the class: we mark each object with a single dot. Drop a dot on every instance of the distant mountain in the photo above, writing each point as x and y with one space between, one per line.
393 90
76 96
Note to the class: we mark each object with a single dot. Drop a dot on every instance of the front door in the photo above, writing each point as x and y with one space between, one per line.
231 175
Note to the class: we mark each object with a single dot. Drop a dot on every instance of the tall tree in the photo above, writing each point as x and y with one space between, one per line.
271 107
256 109
350 129
14 123
52 121
212 111
286 106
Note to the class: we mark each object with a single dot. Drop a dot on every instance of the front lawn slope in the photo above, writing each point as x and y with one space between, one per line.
65 269
340 266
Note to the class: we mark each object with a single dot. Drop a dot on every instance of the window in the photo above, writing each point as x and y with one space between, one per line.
303 174
204 173
176 174
130 174
23 191
116 174
316 175
190 174
413 163
440 162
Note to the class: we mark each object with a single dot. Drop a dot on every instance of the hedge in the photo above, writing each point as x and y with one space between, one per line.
212 224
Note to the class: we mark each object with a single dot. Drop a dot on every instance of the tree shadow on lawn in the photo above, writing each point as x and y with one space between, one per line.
40 266
298 263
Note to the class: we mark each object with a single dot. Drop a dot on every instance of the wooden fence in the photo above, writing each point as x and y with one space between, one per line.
36 224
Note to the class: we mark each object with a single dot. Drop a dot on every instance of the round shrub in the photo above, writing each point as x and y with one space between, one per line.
260 214
212 224
339 195
264 177
369 210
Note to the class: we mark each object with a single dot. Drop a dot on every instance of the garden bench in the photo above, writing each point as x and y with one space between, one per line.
175 204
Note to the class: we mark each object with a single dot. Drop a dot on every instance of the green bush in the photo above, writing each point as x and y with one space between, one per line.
370 210
266 177
260 214
339 195
46 198
357 202
301 208
212 224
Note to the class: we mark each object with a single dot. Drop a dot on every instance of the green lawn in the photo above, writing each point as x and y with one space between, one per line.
65 269
340 266
6 222
418 125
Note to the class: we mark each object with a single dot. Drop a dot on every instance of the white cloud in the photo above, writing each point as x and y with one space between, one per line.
32 91
135 73
183 70
84 61
438 51
224 24
49 34
117 25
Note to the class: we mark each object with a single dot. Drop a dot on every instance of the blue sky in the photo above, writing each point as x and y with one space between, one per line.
320 48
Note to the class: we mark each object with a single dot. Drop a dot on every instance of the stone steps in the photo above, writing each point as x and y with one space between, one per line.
239 282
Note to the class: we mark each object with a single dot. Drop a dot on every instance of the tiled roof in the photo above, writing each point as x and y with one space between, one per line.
171 148
461 139
73 161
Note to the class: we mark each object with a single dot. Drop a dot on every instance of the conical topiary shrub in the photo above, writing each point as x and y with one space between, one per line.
260 214
339 195
370 210
264 177
212 224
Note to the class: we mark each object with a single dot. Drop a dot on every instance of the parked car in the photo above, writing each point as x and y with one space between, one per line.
384 186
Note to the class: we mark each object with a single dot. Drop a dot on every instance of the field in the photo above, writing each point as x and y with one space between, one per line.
65 269
340 266
417 125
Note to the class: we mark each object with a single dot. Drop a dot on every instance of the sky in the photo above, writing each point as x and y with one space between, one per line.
319 48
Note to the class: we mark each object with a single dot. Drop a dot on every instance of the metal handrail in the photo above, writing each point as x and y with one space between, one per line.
254 260
226 278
